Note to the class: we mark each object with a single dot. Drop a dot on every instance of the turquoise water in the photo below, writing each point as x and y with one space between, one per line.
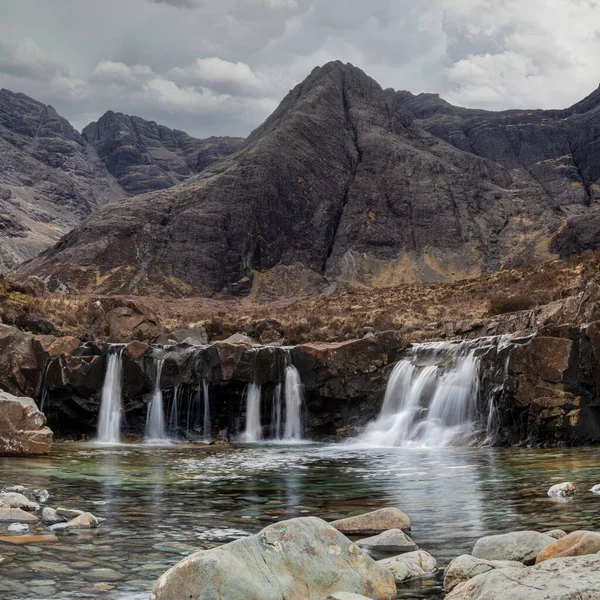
162 503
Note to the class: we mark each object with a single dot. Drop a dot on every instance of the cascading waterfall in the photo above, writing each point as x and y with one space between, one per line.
253 430
294 397
155 421
207 438
276 414
431 397
109 421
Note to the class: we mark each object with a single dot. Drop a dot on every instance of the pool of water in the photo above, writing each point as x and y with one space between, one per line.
162 503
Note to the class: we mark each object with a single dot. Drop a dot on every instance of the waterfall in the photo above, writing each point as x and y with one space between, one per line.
431 397
155 421
293 404
276 431
109 422
206 422
253 430
174 416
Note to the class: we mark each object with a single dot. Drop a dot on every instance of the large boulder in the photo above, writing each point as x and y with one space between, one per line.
23 430
522 546
374 523
16 500
300 559
465 567
577 543
560 579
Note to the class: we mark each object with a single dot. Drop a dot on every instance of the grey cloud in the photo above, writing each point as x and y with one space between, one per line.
178 3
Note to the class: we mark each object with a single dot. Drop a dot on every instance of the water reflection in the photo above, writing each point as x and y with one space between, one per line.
162 503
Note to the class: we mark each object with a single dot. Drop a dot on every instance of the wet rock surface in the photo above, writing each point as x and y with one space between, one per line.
520 546
412 565
373 523
466 567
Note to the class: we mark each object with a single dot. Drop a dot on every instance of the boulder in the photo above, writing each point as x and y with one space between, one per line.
51 517
561 490
393 540
300 559
411 565
466 567
16 515
41 495
68 513
577 543
559 579
14 500
23 430
84 521
194 336
521 546
373 523
20 364
238 338
128 320
557 534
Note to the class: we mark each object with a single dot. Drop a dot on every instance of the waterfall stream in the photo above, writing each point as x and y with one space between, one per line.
155 421
431 398
253 430
206 425
293 404
109 421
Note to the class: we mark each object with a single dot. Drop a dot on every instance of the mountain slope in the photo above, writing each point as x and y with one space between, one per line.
340 183
50 179
144 156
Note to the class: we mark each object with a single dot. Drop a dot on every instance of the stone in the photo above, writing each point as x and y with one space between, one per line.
84 521
48 566
300 559
561 490
411 565
393 540
373 523
18 527
19 501
68 513
195 336
51 517
41 495
560 579
346 596
577 543
103 574
59 527
22 540
238 338
16 515
23 430
16 489
557 534
466 567
595 489
520 546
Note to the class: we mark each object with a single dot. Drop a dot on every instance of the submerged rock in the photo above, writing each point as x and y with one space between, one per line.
373 523
577 543
84 521
18 527
411 565
23 430
300 559
393 540
521 546
68 513
466 567
16 515
561 490
559 579
14 500
50 516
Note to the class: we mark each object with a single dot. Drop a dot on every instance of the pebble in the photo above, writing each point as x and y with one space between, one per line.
561 490
20 527
41 495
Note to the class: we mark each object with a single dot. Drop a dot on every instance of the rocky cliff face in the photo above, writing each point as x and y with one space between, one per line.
144 156
50 178
348 182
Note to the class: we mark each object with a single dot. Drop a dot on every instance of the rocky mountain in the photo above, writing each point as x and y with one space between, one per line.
144 156
52 177
348 182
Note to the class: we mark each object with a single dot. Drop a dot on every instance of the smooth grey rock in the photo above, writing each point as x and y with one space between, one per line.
51 517
561 490
302 558
373 523
559 579
68 513
59 527
18 527
521 546
346 596
195 336
16 515
411 565
15 500
83 521
466 567
393 540
595 489
17 489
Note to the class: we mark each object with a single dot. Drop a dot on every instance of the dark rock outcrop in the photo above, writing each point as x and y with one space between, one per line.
346 181
144 156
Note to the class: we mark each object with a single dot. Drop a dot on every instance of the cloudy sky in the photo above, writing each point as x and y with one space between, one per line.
221 66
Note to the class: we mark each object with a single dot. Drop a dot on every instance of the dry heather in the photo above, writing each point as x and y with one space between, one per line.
419 310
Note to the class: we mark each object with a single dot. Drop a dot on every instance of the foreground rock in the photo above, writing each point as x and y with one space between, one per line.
559 579
84 521
51 517
373 523
300 559
14 500
394 540
466 567
577 543
411 565
521 546
23 430
16 515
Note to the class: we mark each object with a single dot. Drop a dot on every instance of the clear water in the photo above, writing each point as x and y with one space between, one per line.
163 502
